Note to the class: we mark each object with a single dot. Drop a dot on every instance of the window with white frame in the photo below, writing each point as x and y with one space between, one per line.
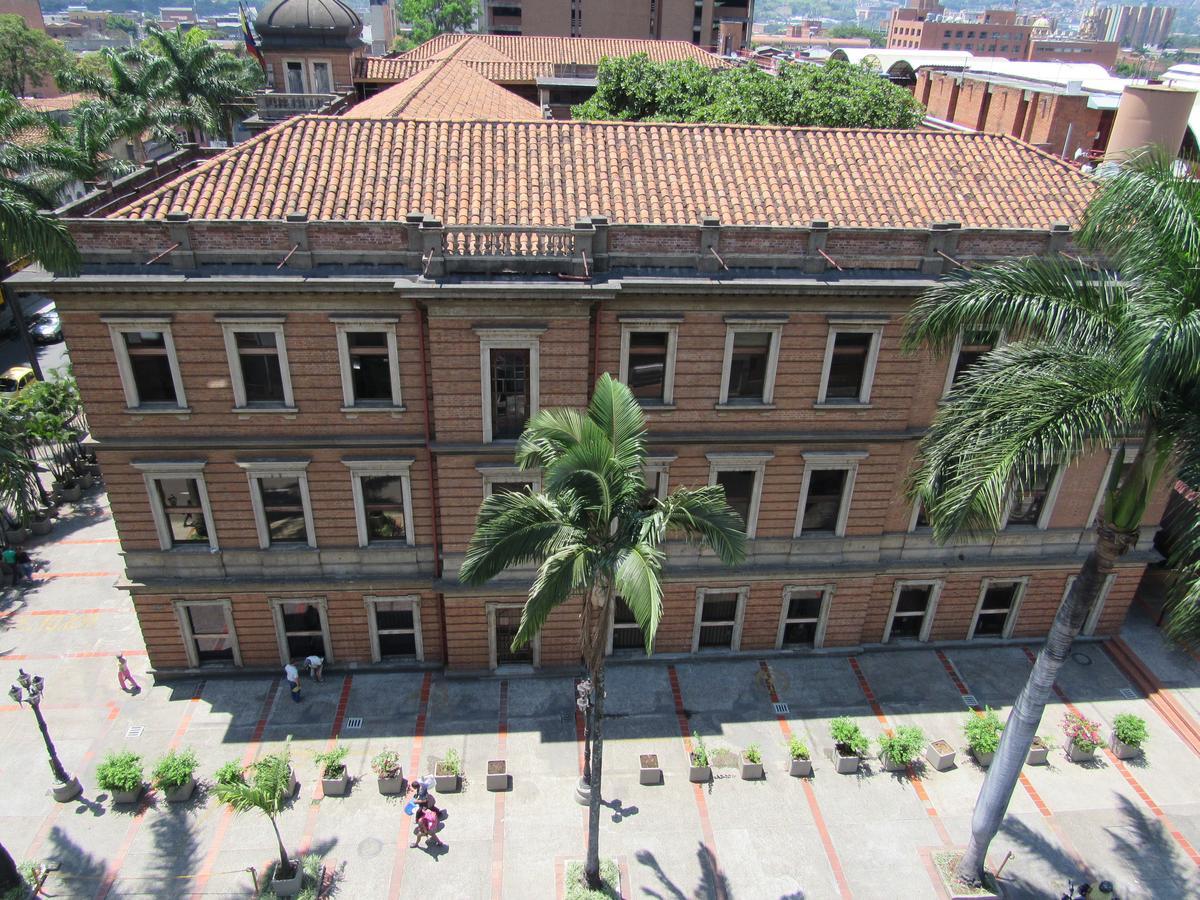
504 621
657 470
825 492
751 360
509 369
1097 610
625 636
302 628
279 496
851 353
322 77
295 76
1032 504
741 475
209 637
382 490
1127 456
803 617
258 363
914 604
179 503
499 478
719 614
395 626
648 359
970 347
996 612
368 358
146 361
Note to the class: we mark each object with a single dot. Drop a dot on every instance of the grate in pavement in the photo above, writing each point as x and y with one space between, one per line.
1129 694
354 722
970 700
135 731
781 709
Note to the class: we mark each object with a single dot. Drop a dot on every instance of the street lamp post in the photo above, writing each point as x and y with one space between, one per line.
583 700
29 689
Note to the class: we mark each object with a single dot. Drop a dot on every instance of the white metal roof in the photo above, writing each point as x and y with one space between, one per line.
888 59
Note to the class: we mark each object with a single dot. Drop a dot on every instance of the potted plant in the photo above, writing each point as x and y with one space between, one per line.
447 774
850 745
983 735
649 771
335 780
231 773
1083 737
497 775
387 768
699 770
121 773
1039 752
752 767
175 775
1128 734
801 765
900 749
267 791
940 755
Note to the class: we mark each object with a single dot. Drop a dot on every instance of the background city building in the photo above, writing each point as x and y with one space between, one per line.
1129 26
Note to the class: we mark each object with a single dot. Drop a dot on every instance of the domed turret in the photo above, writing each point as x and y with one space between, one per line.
308 23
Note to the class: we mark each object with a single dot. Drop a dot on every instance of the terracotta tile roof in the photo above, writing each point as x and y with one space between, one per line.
388 68
550 173
56 104
392 71
447 89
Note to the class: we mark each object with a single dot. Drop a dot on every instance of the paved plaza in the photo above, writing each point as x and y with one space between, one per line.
865 836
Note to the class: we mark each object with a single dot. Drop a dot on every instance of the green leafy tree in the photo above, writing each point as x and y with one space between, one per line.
593 535
877 38
116 22
835 95
429 18
1094 359
28 57
266 790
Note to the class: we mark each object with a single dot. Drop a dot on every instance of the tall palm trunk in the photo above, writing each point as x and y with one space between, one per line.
285 863
1026 714
9 876
597 604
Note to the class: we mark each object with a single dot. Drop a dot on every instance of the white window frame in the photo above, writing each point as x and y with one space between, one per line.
913 527
381 324
414 601
259 469
502 472
322 605
117 329
874 327
822 618
312 75
658 467
397 467
156 470
1052 489
1130 455
493 656
189 638
304 75
949 383
823 460
1093 619
733 327
935 593
1010 623
612 625
670 327
508 339
230 327
743 462
735 643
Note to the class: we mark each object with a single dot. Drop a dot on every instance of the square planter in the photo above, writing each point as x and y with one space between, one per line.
68 790
128 796
289 887
392 786
940 755
751 771
1121 750
650 772
293 782
889 765
183 793
444 781
846 765
1039 754
800 768
984 759
1076 755
336 787
497 775
699 774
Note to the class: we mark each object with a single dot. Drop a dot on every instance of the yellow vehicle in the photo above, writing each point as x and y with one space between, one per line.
13 381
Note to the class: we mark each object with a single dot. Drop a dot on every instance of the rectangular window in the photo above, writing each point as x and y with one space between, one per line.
972 346
510 393
748 366
850 356
258 364
395 625
183 510
322 82
913 606
626 638
282 508
505 622
741 475
295 77
1031 505
1126 455
302 629
739 490
382 499
209 637
146 361
996 614
718 619
803 617
825 492
647 365
370 366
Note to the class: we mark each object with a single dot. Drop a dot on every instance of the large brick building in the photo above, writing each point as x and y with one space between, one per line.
299 405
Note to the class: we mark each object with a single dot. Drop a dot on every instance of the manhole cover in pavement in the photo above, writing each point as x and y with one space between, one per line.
135 731
368 848
970 700
781 709
352 723
1128 694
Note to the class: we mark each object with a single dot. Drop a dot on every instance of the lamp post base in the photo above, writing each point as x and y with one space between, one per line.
583 792
66 791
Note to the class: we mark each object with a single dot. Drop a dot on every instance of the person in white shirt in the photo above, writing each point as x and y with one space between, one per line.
315 664
292 674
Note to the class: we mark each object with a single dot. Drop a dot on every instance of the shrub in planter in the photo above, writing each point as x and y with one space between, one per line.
387 768
752 768
447 774
900 749
1128 734
850 745
699 771
1083 737
175 774
231 773
121 773
983 735
335 780
801 764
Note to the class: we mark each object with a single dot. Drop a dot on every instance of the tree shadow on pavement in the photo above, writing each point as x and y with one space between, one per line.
713 884
1035 844
80 872
177 852
1149 852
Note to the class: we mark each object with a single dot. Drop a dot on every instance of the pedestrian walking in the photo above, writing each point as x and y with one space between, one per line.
24 564
427 825
315 665
292 674
125 678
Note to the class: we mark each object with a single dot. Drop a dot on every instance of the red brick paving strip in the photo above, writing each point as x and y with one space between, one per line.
697 790
1120 766
403 833
314 807
86 654
809 794
498 818
1139 674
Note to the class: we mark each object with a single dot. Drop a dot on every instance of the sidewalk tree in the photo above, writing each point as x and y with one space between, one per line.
10 878
594 534
1094 359
28 57
429 18
267 790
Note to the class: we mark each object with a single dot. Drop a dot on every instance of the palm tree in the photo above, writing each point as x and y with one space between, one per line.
10 878
95 127
1093 359
269 788
593 534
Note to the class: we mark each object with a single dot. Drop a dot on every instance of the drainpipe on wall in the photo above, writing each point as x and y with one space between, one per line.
422 325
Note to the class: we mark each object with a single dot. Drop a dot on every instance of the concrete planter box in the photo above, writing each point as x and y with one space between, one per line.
42 526
183 793
69 494
1039 754
293 783
336 787
67 791
649 771
800 768
940 755
699 774
846 765
21 535
984 759
497 775
751 771
289 887
1121 750
1075 754
392 786
445 781
86 480
890 765
128 796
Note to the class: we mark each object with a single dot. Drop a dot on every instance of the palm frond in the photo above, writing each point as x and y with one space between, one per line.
516 529
618 414
548 435
700 513
560 575
638 580
24 230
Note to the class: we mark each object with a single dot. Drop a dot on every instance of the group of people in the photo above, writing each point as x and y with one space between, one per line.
315 665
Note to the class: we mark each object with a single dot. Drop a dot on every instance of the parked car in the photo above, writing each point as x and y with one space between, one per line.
46 327
13 381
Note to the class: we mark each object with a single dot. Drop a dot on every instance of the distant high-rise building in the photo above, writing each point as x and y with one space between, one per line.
1129 26
382 14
